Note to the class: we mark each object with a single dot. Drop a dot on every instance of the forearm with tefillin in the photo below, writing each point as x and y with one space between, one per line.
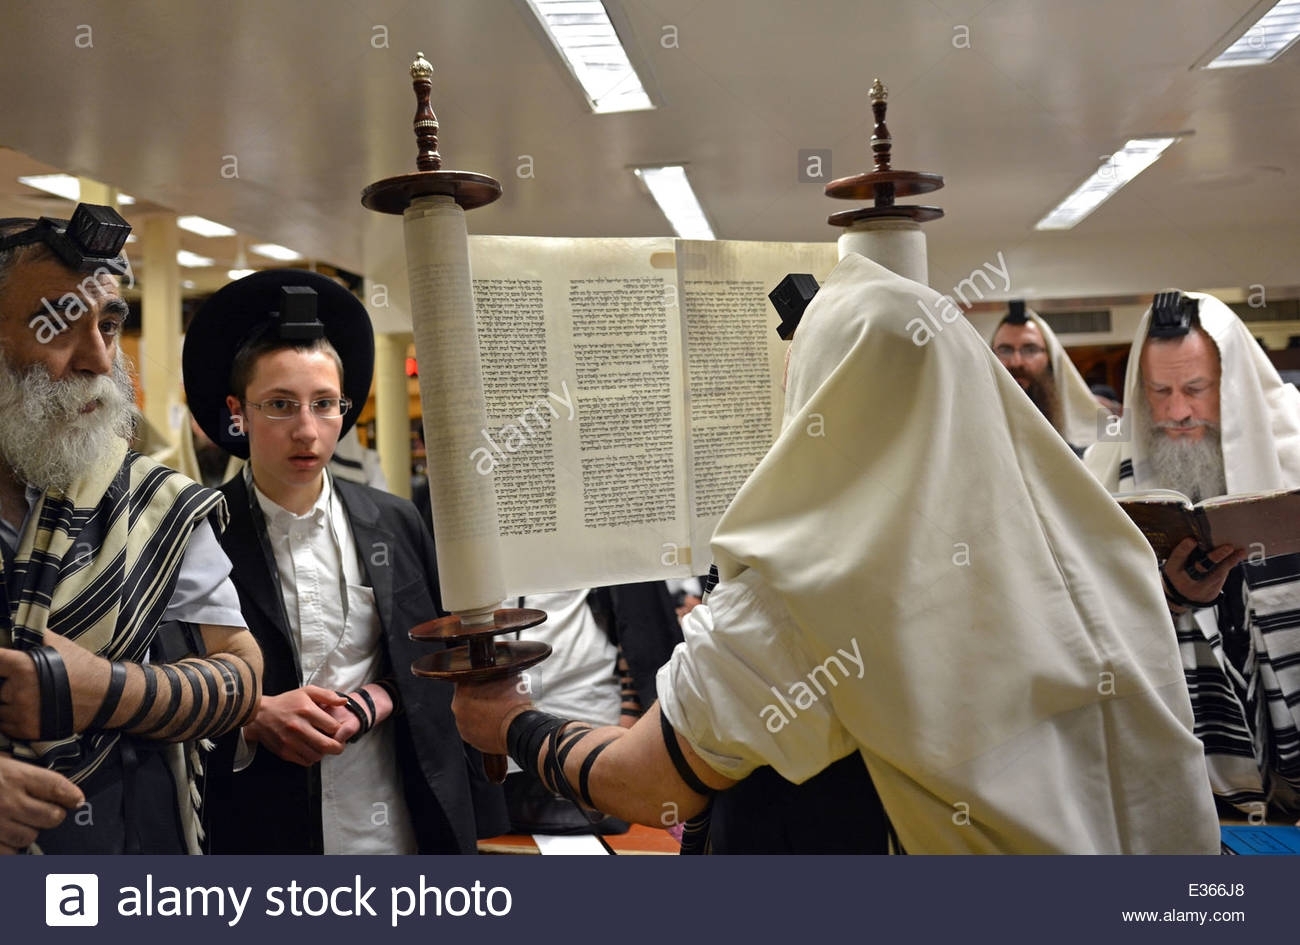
630 708
563 754
179 701
543 745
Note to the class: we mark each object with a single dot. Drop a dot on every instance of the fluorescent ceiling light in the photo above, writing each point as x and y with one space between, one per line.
1116 171
61 185
203 227
125 200
187 283
585 37
1263 40
239 273
192 260
274 251
672 191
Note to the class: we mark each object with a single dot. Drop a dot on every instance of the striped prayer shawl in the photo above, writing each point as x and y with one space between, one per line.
1275 638
98 565
1242 663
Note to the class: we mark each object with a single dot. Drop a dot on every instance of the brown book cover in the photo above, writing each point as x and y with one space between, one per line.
1266 524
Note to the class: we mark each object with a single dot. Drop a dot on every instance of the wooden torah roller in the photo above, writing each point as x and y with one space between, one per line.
473 656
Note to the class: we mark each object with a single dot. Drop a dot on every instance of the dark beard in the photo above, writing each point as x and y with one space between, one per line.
1042 391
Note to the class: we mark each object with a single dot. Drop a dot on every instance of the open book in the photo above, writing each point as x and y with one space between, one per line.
1264 523
631 385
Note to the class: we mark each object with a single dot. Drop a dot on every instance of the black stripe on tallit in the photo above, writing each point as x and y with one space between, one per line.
142 594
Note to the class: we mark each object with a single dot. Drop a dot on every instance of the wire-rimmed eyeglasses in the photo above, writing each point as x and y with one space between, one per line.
324 408
1007 352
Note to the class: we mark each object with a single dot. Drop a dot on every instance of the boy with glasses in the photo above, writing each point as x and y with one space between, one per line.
348 752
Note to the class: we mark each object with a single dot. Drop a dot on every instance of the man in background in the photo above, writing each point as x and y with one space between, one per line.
1208 416
1030 351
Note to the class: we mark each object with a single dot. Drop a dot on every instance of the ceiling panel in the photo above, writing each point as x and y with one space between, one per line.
1013 101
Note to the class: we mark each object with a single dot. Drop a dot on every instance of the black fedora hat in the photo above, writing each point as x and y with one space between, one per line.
238 311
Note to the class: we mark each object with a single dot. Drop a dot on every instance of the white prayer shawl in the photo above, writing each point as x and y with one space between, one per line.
1021 689
1260 430
1079 408
355 463
1259 414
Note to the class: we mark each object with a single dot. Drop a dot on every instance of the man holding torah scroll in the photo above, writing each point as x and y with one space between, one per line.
1210 416
1009 688
348 752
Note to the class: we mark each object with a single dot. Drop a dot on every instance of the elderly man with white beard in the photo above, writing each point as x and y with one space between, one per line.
1209 417
121 640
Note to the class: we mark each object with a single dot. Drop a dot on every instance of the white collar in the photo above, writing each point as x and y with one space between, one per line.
281 518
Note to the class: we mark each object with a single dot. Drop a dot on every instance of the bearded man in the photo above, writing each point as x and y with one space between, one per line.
1210 416
1031 353
121 638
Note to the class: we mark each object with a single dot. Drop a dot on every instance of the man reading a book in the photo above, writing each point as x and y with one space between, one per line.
1210 416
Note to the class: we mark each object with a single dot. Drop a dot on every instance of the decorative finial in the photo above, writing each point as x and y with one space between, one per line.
395 194
881 143
882 184
425 123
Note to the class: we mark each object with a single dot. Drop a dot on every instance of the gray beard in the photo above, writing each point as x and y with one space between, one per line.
1192 467
45 439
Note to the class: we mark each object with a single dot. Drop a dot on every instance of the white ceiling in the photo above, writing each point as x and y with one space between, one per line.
303 95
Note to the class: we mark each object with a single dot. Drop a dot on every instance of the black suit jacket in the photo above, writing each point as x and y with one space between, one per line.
273 806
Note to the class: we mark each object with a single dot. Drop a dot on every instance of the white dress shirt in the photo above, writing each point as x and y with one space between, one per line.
336 634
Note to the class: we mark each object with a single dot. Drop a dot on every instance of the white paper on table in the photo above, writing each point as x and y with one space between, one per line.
583 844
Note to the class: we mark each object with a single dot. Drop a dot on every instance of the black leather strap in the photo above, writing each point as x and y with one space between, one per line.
584 773
1174 597
527 733
554 776
569 739
116 683
390 687
146 701
353 706
689 777
56 694
370 705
